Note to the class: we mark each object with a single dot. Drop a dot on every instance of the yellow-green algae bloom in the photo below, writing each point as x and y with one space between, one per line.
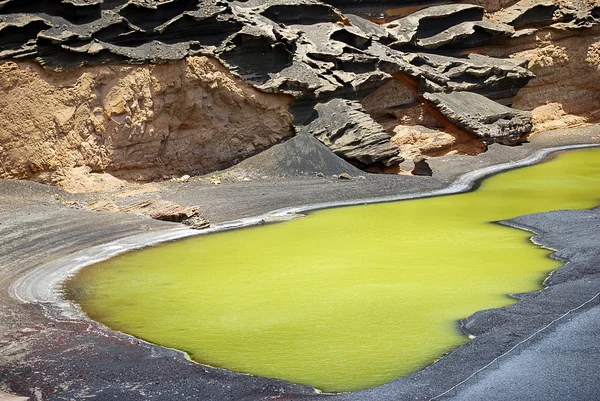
346 298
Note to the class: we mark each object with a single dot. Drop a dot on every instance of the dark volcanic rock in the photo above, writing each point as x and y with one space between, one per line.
483 117
301 155
492 77
345 127
431 21
529 13
467 34
421 167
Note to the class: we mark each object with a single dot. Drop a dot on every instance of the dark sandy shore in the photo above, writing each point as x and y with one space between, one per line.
45 354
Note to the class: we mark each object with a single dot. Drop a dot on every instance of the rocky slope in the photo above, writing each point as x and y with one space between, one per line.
146 89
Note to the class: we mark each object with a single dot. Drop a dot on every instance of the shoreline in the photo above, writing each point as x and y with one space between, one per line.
42 284
32 323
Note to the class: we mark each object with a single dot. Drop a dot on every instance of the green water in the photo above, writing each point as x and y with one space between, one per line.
346 298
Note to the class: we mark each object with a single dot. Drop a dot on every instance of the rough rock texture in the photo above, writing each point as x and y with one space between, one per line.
566 89
482 117
350 132
316 51
418 140
137 122
156 209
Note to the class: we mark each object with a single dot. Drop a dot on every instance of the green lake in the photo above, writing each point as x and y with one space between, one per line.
346 298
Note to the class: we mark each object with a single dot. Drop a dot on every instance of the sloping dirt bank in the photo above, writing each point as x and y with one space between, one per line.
45 355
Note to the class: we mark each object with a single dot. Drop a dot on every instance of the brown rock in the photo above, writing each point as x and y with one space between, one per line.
566 63
417 140
156 209
161 210
136 122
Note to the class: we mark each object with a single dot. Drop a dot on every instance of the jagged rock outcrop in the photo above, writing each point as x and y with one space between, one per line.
136 122
483 117
314 52
300 156
565 91
345 127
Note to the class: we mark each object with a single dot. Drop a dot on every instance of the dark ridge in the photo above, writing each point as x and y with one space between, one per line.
540 14
307 14
480 37
351 39
13 37
257 57
302 155
432 25
113 33
211 31
150 18
57 58
76 14
357 65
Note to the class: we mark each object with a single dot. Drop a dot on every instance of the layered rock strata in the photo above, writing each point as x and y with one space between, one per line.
317 52
136 122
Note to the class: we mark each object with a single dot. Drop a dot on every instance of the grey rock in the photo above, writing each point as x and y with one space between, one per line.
196 222
421 167
529 13
492 77
431 21
482 117
345 128
467 34
301 155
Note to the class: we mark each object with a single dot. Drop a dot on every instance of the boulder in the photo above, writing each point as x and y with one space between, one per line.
156 209
345 128
482 117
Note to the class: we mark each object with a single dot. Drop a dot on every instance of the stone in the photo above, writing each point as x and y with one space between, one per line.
431 21
493 77
161 210
484 118
344 176
196 222
156 209
345 128
528 13
421 167
303 53
467 34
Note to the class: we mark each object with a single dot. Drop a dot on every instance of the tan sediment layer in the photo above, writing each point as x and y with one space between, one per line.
136 122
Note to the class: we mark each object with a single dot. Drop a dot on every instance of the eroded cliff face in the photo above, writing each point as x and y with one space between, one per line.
410 79
566 89
135 122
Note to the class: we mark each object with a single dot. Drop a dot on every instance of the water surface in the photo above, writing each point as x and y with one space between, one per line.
346 298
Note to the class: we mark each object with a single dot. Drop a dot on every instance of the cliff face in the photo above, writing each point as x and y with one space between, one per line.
135 122
145 89
566 89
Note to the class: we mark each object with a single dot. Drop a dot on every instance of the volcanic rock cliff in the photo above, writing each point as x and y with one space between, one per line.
150 89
